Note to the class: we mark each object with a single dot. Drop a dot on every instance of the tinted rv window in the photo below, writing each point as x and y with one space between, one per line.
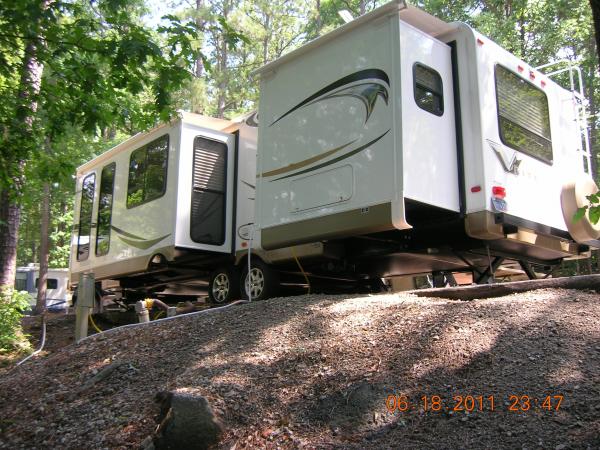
107 182
21 284
523 116
85 216
208 192
51 283
429 90
148 172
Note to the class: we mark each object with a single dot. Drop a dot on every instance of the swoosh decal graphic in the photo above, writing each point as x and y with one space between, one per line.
333 161
137 241
305 162
125 233
249 185
143 245
366 74
367 93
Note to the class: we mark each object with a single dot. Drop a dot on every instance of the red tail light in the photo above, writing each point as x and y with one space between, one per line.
499 192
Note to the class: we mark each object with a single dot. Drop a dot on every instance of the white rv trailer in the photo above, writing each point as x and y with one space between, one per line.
161 199
415 145
396 144
57 286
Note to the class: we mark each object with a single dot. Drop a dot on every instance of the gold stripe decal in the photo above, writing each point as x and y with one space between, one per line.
306 162
335 160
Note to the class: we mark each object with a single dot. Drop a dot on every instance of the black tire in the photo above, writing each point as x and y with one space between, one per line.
223 285
265 281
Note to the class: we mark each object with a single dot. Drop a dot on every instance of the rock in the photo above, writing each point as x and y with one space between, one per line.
187 421
147 444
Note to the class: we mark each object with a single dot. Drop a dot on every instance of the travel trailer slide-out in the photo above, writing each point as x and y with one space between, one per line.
396 144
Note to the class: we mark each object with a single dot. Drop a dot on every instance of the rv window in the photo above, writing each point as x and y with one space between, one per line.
428 89
207 224
107 182
148 172
85 217
51 283
523 115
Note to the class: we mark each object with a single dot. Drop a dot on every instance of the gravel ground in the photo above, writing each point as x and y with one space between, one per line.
324 371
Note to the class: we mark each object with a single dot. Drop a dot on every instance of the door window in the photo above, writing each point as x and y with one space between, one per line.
85 217
428 89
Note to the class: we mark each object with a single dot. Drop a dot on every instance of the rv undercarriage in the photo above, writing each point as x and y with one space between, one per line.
359 263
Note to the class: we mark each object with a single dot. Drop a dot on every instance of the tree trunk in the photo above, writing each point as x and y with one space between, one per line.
199 65
265 45
319 19
595 4
10 210
222 56
9 228
502 289
40 305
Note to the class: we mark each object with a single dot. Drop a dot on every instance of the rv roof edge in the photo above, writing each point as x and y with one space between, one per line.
199 120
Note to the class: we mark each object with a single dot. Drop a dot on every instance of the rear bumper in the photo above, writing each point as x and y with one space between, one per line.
504 230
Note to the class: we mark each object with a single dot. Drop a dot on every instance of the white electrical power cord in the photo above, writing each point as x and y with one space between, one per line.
249 265
42 343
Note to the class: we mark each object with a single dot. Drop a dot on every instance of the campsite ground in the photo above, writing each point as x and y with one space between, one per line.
316 371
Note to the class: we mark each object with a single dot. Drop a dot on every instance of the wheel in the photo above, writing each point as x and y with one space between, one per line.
264 281
224 285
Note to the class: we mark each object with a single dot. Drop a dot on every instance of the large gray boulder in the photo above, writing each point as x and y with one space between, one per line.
187 422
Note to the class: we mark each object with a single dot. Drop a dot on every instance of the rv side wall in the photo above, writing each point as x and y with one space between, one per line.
138 228
246 183
428 122
491 80
329 159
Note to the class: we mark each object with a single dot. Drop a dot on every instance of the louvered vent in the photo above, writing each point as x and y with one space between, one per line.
208 208
209 165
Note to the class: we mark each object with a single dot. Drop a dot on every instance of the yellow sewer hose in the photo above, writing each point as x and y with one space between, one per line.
158 314
94 324
301 269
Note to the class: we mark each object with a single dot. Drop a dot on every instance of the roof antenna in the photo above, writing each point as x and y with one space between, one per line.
346 15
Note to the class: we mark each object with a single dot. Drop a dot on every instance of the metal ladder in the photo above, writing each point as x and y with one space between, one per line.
579 106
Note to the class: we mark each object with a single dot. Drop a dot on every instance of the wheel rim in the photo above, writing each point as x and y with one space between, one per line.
220 287
257 283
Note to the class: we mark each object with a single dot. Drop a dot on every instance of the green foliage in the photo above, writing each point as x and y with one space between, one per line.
592 210
12 305
101 68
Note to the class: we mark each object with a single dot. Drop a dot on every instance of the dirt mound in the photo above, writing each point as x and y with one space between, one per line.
323 371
